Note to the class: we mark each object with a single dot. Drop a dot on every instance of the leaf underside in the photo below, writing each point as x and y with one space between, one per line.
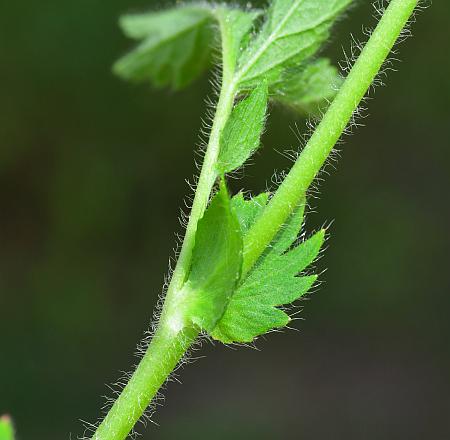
274 281
176 47
175 50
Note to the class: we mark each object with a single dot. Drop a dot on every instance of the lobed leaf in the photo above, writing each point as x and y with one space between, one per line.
274 281
242 133
176 46
289 231
177 43
216 264
293 31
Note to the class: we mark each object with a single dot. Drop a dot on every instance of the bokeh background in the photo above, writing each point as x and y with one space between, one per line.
92 175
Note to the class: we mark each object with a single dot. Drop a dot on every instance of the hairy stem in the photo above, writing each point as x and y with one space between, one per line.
327 133
206 182
164 353
170 342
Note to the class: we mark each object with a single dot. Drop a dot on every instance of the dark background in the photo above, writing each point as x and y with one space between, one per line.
92 175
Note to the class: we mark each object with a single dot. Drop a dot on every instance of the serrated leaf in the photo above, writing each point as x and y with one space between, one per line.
289 231
178 42
242 133
274 281
293 31
311 89
6 428
216 264
176 46
245 324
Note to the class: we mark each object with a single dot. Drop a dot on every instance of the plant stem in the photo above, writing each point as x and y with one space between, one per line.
163 354
327 133
171 342
206 182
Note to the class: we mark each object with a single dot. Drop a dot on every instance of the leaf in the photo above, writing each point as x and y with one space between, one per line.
289 231
311 89
176 46
6 428
242 133
248 210
293 31
178 42
274 281
236 25
216 264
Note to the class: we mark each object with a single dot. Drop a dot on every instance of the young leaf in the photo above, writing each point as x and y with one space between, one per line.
6 428
216 264
176 46
309 90
293 31
241 135
252 310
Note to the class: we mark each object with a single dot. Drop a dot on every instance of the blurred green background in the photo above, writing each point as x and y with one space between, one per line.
92 175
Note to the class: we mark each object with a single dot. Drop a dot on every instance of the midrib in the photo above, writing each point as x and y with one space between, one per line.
273 36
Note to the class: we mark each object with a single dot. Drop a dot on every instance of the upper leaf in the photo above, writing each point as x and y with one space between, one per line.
178 42
293 31
274 281
311 89
241 135
216 264
236 25
176 46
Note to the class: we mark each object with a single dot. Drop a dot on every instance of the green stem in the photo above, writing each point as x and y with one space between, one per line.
163 354
327 133
208 176
173 338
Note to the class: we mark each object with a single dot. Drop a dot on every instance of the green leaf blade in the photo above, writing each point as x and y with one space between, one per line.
162 24
242 133
216 264
289 52
293 32
278 290
175 50
305 253
311 89
249 323
289 232
248 210
236 25
273 282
